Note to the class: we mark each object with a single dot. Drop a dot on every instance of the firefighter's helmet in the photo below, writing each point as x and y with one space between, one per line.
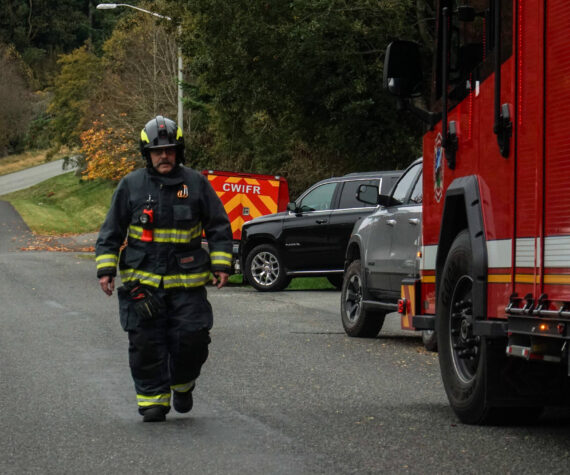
161 132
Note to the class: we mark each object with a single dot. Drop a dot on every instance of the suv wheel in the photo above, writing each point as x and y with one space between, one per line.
355 319
264 269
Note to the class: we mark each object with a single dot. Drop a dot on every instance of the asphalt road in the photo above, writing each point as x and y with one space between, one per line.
26 178
284 391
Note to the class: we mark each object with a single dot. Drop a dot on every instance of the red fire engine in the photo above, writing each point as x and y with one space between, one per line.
494 279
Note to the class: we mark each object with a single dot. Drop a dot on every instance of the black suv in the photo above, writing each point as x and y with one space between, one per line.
310 238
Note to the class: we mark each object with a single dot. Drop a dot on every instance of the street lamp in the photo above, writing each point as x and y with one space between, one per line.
109 6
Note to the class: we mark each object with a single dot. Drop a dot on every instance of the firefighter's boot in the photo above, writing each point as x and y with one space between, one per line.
182 401
154 414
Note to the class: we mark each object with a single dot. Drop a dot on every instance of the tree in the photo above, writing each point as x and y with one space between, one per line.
306 75
16 99
74 87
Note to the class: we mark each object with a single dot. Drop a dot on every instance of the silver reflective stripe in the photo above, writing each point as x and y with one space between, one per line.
176 236
186 280
221 258
145 278
106 260
160 399
184 388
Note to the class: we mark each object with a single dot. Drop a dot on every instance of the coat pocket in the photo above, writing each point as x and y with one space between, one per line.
131 258
182 213
194 261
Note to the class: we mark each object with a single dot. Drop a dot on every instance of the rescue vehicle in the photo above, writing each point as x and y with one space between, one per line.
494 274
246 196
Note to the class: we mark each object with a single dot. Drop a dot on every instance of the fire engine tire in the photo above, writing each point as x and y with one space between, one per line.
462 356
356 320
429 339
264 269
335 280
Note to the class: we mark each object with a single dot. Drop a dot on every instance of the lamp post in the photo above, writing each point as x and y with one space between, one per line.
110 6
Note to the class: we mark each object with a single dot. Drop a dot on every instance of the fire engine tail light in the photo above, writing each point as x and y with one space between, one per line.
402 306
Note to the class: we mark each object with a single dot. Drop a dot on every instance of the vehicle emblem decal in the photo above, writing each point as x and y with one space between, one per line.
438 169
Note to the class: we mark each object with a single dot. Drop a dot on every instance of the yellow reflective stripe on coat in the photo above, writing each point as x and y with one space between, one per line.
186 280
106 260
158 400
146 278
221 258
176 236
168 281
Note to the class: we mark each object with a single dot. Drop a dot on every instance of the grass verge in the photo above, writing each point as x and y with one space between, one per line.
63 205
298 283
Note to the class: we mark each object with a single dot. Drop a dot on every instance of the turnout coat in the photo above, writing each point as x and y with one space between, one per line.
174 211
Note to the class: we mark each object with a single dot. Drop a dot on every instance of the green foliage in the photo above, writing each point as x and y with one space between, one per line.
63 204
74 86
282 77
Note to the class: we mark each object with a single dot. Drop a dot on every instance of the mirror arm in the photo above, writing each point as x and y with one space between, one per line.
428 117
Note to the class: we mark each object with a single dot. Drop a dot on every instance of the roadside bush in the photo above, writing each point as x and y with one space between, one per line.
109 153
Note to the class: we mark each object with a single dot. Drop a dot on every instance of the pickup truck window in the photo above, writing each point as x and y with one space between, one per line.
402 190
417 193
318 199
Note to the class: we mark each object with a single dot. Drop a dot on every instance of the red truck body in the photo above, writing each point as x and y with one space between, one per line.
496 166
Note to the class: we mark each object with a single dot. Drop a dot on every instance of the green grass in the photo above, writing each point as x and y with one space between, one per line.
63 205
298 283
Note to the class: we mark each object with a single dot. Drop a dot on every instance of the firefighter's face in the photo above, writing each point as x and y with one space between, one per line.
163 159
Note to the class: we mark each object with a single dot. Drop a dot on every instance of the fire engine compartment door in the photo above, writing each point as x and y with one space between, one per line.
542 248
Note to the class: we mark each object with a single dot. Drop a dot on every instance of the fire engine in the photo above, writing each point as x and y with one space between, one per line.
494 277
246 196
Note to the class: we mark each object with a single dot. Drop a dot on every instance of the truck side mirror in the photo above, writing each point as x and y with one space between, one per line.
367 194
403 69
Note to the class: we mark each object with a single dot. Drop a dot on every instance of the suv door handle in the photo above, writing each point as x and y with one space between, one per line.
322 221
414 221
391 222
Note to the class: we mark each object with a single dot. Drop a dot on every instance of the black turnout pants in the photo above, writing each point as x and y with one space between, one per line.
168 351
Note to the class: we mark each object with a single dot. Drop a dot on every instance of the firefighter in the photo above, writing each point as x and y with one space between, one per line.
162 211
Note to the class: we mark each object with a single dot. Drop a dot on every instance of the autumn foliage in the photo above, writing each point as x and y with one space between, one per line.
109 153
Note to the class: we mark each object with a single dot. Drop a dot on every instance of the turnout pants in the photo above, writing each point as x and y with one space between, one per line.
167 352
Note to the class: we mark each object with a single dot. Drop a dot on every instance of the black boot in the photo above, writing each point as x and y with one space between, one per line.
154 414
182 402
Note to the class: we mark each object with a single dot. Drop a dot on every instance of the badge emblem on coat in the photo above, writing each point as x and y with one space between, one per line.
182 193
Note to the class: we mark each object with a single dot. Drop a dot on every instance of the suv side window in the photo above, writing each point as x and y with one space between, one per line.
318 199
348 196
402 189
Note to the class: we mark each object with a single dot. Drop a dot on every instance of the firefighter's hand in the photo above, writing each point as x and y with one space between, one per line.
220 279
107 284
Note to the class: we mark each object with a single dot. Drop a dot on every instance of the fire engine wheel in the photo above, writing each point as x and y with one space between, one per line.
264 269
462 356
356 320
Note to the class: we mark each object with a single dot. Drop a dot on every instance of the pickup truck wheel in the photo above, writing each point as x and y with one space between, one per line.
429 339
264 269
356 320
335 280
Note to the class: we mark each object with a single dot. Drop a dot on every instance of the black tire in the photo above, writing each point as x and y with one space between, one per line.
429 339
335 280
356 320
264 269
462 356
